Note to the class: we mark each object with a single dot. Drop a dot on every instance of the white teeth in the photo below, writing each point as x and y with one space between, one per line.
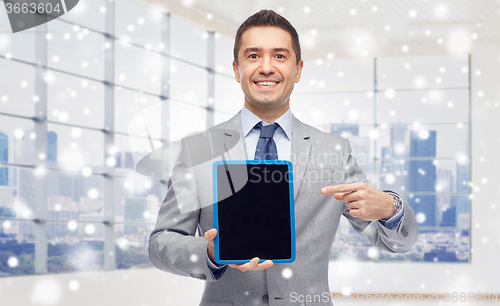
267 83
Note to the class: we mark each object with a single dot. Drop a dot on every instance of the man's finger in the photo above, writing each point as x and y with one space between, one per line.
253 265
210 234
342 188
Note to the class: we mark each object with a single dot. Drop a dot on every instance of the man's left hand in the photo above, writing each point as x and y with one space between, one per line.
363 200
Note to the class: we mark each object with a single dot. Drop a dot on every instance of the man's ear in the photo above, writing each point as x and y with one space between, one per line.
299 71
236 71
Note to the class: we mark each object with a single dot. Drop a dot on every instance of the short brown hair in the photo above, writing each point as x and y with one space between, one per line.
271 19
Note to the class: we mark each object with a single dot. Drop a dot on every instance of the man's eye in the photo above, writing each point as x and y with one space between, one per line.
253 55
280 56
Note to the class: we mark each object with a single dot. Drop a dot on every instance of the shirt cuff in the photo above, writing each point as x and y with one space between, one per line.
392 222
215 268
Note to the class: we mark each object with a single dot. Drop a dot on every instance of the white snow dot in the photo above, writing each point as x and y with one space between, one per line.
193 258
389 93
412 13
405 48
92 193
74 285
89 229
12 262
373 134
102 10
480 94
63 116
287 273
5 98
372 252
210 16
84 64
111 161
353 12
307 9
390 179
86 171
18 133
345 291
423 134
420 217
76 132
374 9
353 114
72 225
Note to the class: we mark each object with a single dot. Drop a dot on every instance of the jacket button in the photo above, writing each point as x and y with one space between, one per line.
265 298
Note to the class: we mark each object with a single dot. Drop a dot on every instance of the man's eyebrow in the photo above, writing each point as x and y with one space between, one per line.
281 50
252 49
255 49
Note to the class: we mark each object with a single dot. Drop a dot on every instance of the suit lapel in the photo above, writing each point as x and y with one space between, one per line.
301 150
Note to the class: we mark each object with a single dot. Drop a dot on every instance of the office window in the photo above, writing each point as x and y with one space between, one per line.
17 88
391 110
411 120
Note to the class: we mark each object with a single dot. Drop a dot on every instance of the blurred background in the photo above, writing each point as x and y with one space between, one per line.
413 84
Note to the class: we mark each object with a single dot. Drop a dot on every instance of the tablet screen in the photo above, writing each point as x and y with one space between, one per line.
256 220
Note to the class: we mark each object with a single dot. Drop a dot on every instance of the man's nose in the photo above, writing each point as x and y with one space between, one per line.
266 66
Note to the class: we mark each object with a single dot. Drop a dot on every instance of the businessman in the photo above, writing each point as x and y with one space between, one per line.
328 184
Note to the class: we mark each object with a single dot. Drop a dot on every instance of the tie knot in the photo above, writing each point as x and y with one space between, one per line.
268 130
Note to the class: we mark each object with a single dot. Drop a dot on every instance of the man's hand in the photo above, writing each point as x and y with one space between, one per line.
253 265
249 266
210 236
363 200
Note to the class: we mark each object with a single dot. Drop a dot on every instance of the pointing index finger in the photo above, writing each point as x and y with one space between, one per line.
342 188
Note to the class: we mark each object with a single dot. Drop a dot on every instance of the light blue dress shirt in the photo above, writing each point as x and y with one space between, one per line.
283 139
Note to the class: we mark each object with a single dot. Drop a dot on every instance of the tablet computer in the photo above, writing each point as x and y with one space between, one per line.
253 211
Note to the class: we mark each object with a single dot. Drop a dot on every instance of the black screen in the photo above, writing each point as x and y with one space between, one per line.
254 221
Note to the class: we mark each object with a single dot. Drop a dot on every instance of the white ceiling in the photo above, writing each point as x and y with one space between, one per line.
357 28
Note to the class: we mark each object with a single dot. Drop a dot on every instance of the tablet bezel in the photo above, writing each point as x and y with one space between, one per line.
216 208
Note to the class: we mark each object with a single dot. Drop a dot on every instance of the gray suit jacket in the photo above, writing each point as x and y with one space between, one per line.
319 159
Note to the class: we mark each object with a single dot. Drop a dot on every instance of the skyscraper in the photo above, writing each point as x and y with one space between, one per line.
421 176
4 157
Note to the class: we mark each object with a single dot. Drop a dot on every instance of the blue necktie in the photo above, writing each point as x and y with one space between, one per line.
266 147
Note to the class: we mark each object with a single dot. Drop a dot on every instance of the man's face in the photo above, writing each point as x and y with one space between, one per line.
267 69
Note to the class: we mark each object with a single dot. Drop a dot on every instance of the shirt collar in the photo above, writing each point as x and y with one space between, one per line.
249 120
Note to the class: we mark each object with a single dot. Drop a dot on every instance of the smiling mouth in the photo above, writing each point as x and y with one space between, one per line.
267 83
